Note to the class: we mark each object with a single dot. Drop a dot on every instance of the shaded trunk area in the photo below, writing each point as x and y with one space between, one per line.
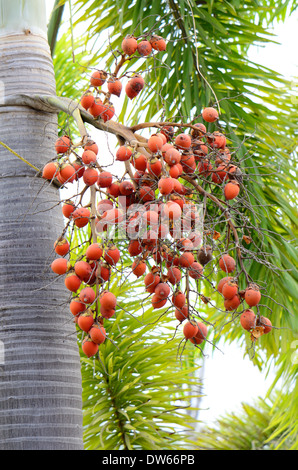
40 377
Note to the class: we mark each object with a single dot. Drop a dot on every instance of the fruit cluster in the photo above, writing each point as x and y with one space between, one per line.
156 208
132 48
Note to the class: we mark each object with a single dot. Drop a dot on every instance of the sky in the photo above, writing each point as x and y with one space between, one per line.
229 378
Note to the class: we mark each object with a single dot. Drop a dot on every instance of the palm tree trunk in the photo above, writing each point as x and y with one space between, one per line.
40 388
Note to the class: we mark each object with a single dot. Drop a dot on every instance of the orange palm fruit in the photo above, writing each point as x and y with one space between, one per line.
50 170
248 320
190 329
210 114
227 263
89 347
97 333
60 266
61 246
129 45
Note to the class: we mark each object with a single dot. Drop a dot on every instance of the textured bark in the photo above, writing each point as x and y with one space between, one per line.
40 378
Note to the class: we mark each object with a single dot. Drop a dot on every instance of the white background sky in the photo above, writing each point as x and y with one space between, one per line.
229 378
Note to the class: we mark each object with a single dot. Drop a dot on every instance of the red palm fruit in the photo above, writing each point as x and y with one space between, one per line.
50 170
87 100
88 156
181 314
178 299
163 137
94 251
126 188
216 140
252 295
154 166
175 171
151 280
76 307
81 216
157 302
158 43
174 275
165 147
166 185
162 290
139 267
96 108
61 246
68 208
105 179
150 218
87 295
227 264
172 156
60 266
67 173
89 348
248 319
231 190
190 329
233 303
155 143
220 174
104 205
144 48
229 289
210 114
98 78
146 194
63 144
108 112
196 270
265 323
86 320
172 210
98 334
79 168
168 131
114 189
222 282
183 141
186 259
112 255
83 270
114 87
90 176
134 86
108 300
91 145
129 45
107 313
72 282
201 334
112 216
195 238
123 153
139 161
199 149
135 248
204 167
103 272
177 189
199 131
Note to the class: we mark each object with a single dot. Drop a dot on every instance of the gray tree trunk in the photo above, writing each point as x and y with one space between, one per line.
40 377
